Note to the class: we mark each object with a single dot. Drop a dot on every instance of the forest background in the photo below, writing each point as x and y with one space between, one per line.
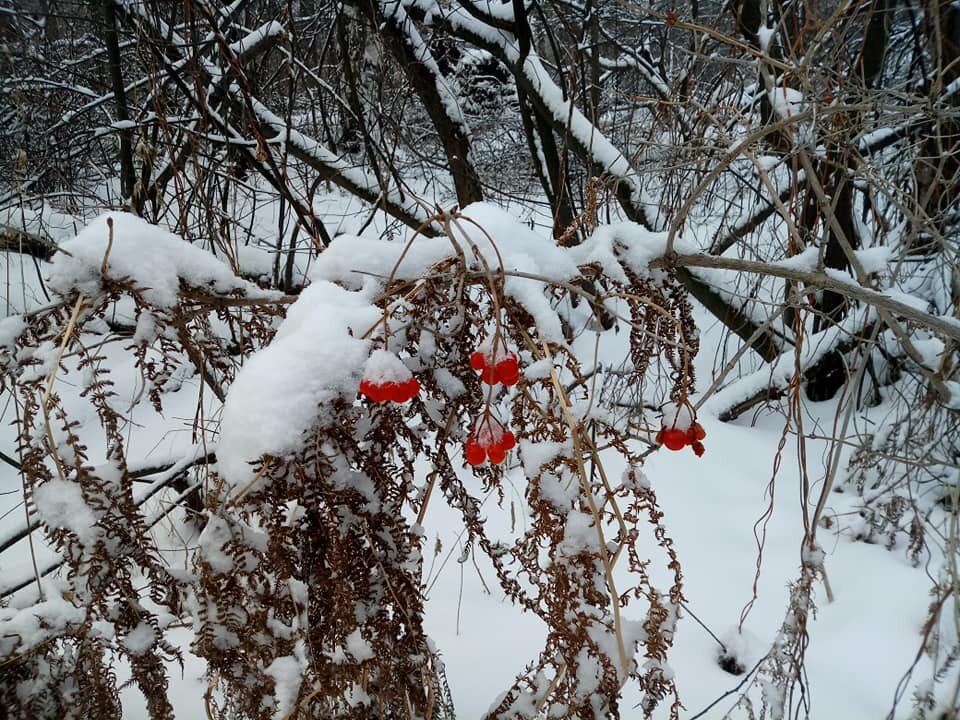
678 285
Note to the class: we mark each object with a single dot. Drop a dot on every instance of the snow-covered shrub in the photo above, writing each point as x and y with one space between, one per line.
311 558
119 592
306 587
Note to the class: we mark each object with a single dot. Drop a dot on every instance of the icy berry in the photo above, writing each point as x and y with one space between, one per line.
489 375
674 439
392 391
496 453
510 378
386 378
473 453
412 388
489 440
368 389
508 370
697 432
496 365
698 448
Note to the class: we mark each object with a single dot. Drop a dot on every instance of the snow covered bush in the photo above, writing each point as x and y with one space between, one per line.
120 592
305 589
321 497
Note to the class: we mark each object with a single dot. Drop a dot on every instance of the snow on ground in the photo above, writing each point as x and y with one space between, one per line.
860 644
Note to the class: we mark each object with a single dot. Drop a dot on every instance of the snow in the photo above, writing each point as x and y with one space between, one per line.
287 674
358 648
564 112
280 393
29 627
954 389
875 259
539 370
252 39
154 260
909 299
813 556
394 10
358 177
383 366
355 649
448 383
498 10
710 505
634 479
629 244
677 415
764 36
488 236
709 508
10 329
538 454
139 640
741 645
255 261
355 260
561 491
61 505
579 536
786 101
588 673
931 350
778 374
216 534
804 261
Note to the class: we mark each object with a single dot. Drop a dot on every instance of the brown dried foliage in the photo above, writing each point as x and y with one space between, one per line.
115 574
324 550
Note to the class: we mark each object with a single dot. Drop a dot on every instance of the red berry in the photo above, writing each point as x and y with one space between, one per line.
489 375
496 453
698 448
372 390
510 378
473 453
508 440
478 361
411 387
659 437
389 391
674 439
697 432
508 372
507 368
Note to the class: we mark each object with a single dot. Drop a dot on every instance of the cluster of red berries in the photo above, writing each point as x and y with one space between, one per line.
389 391
501 367
387 379
676 439
490 440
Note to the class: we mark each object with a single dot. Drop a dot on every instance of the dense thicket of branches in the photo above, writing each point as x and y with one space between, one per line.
801 160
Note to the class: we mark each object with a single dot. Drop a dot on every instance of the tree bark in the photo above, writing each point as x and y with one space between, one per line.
424 79
111 39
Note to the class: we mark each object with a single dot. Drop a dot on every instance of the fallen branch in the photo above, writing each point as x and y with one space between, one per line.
836 281
17 240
